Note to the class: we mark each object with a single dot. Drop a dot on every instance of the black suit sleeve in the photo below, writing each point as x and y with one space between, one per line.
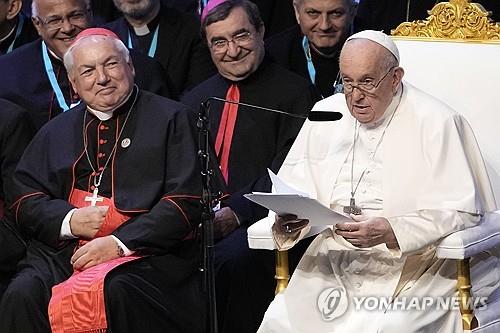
176 215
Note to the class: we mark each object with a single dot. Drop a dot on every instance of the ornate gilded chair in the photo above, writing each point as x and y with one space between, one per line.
454 55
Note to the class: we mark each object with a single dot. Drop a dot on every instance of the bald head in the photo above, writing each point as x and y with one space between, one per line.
35 5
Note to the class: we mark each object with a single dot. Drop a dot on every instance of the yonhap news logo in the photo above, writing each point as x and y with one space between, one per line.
332 303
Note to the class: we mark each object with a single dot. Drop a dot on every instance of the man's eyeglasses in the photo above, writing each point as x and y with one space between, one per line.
365 86
221 45
55 22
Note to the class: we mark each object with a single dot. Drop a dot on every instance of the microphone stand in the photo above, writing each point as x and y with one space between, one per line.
208 199
207 216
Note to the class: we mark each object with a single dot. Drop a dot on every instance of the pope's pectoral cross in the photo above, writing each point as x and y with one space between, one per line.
94 198
352 208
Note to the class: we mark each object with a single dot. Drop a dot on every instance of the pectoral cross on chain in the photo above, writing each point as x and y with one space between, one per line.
94 198
352 208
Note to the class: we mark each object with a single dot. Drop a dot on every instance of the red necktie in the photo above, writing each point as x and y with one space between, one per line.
226 129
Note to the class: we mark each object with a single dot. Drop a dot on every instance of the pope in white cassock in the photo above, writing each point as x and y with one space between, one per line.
409 171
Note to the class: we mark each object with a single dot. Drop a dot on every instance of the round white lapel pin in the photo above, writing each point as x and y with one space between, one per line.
125 142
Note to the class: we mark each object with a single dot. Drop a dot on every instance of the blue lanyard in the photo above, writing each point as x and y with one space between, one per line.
201 5
310 65
18 33
53 80
152 47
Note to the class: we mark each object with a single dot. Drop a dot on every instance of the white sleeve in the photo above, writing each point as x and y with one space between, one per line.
125 249
419 230
65 232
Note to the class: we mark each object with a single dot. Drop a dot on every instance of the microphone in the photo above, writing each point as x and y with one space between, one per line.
312 115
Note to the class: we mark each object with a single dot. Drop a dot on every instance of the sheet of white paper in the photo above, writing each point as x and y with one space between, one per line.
303 207
281 187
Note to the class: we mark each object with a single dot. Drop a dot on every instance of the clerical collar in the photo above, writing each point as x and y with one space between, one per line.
143 36
106 115
147 28
388 112
53 55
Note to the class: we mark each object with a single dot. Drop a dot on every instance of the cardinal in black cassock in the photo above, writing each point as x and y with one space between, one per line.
153 179
129 158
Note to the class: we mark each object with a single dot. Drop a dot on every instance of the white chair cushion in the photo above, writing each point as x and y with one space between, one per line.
260 235
469 242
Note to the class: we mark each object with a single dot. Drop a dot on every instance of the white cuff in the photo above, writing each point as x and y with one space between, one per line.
65 232
125 249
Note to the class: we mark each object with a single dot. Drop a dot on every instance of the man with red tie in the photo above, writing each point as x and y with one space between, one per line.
246 141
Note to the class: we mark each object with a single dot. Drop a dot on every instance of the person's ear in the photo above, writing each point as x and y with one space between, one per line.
131 65
72 82
14 8
399 72
296 9
37 24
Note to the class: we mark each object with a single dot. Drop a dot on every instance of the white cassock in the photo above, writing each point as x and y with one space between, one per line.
427 178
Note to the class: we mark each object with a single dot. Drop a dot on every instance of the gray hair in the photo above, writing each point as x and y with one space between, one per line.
34 7
118 44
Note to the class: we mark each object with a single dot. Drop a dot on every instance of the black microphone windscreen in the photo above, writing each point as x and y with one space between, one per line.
324 116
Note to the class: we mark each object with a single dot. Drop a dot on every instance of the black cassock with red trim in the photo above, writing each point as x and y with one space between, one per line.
153 175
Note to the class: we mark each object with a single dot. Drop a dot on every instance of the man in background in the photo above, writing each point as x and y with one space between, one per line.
312 47
247 141
15 28
167 35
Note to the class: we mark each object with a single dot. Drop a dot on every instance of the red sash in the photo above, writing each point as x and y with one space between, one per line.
226 129
77 304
